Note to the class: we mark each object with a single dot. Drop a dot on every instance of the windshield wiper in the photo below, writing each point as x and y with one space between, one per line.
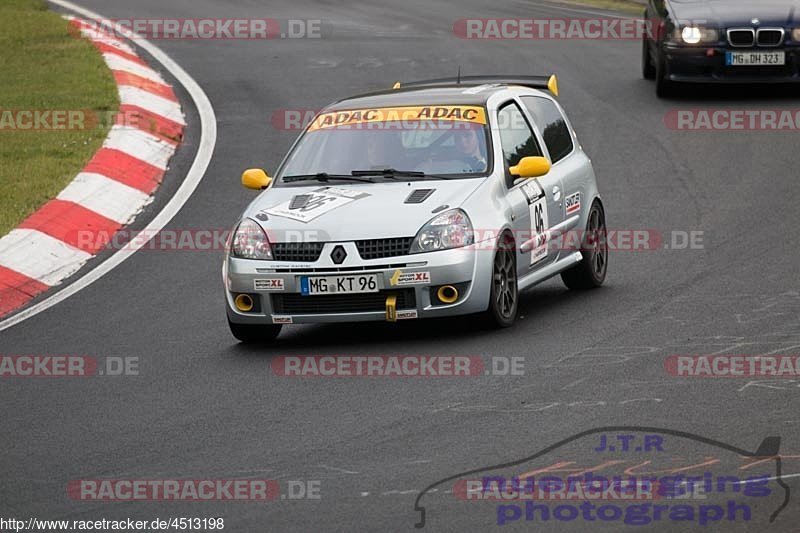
392 173
324 176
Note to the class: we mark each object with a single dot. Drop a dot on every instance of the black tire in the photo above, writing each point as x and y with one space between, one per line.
648 67
504 292
591 272
664 86
255 334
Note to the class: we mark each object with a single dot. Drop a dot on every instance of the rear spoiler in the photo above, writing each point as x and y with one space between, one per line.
534 82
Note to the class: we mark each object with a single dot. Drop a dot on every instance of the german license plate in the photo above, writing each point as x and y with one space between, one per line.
352 284
748 59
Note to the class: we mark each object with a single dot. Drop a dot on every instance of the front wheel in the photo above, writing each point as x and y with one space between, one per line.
255 334
648 68
590 273
663 85
504 294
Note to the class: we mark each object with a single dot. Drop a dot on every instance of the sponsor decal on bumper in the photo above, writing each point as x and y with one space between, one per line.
269 284
400 278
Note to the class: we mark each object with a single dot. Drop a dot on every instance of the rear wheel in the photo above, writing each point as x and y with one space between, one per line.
590 273
255 334
504 294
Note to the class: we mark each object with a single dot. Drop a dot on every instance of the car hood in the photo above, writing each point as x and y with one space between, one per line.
728 13
345 211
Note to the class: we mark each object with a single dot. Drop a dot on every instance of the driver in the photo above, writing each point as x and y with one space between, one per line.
469 151
383 149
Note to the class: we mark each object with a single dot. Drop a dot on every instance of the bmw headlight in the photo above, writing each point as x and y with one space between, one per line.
250 242
451 229
696 35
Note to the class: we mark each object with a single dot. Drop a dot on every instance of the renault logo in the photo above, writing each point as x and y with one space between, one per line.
338 255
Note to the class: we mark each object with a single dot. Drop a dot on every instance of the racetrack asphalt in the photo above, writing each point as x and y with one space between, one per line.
204 406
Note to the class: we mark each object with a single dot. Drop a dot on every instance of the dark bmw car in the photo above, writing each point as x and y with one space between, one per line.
723 41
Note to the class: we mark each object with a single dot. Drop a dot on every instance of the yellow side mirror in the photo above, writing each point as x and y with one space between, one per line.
256 179
531 167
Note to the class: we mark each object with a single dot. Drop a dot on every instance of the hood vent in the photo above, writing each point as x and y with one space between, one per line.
299 201
418 196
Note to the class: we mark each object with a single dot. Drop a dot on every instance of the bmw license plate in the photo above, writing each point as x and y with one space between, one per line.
353 284
748 59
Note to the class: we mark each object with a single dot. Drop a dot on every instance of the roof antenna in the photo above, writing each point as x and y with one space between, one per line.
458 81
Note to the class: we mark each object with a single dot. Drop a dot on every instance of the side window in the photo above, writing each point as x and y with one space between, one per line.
552 125
516 137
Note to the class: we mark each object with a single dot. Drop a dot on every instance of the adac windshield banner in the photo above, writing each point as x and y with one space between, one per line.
354 117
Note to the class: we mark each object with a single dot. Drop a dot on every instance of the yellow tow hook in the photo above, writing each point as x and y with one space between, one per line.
391 308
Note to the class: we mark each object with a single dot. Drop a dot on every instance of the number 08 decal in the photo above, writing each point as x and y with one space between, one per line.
537 204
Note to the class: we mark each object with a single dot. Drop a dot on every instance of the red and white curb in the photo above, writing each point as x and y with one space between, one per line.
119 181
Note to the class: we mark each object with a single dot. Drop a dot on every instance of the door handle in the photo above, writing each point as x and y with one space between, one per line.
556 193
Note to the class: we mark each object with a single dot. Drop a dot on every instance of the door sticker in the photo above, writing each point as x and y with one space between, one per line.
537 204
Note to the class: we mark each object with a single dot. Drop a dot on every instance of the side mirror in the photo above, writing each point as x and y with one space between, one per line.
531 167
256 179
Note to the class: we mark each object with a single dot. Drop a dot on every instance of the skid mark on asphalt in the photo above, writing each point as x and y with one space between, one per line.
765 344
578 382
362 62
337 469
541 407
773 384
355 29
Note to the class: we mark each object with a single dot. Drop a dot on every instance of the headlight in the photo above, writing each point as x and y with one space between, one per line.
696 34
250 242
451 229
796 35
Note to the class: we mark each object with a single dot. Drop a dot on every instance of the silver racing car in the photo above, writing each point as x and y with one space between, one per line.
436 198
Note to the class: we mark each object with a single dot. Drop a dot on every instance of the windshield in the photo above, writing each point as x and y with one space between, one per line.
436 140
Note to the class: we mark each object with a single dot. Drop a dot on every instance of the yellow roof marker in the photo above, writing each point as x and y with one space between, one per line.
552 84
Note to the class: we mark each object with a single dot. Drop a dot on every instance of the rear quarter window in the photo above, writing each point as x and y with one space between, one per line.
552 124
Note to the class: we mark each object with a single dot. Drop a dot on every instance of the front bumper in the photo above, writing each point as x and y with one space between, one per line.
707 64
467 268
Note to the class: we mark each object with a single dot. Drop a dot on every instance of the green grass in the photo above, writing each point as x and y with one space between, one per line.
44 66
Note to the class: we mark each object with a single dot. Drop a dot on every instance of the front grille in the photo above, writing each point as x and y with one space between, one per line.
770 37
380 248
351 268
742 37
297 304
303 252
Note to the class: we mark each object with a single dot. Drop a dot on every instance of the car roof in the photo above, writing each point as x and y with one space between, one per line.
444 95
